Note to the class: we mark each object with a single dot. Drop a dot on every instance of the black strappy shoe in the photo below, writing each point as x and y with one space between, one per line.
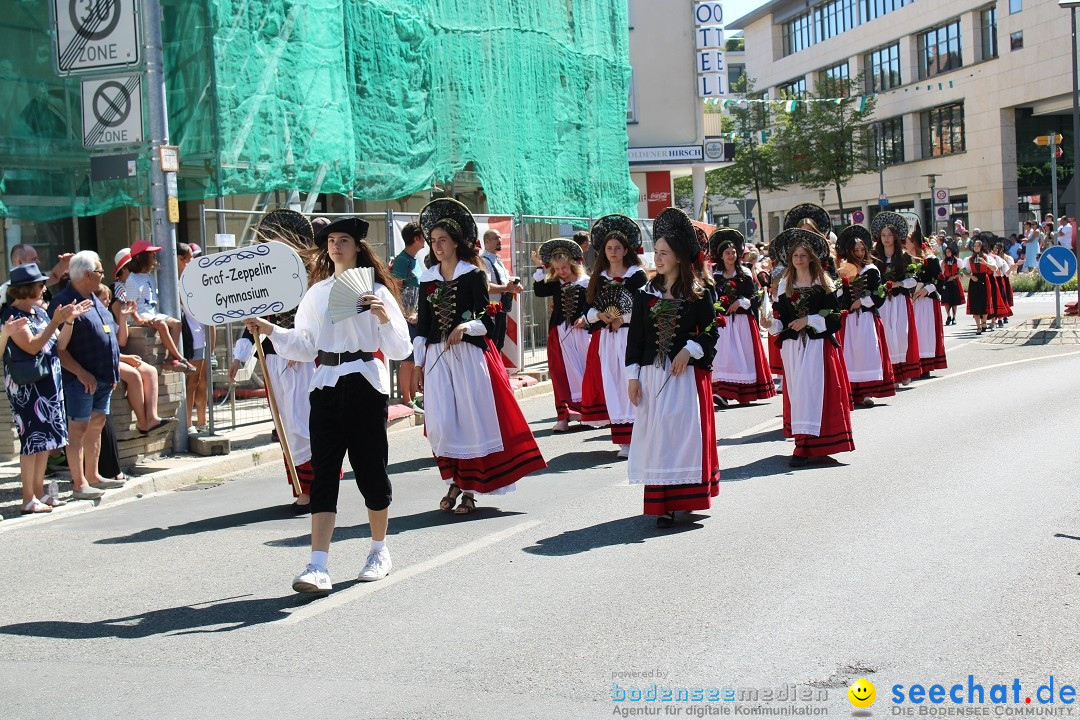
450 499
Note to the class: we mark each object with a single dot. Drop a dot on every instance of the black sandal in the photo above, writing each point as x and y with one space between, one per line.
450 499
468 505
666 520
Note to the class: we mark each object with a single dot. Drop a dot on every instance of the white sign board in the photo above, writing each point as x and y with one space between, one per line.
709 43
941 196
224 240
94 35
112 111
676 153
254 281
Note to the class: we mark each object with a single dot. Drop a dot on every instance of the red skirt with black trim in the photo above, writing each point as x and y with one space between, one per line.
938 361
560 384
911 368
593 404
835 433
776 364
763 387
886 386
520 455
661 499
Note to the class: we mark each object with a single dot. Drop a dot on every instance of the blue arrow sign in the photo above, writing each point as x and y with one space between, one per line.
1057 265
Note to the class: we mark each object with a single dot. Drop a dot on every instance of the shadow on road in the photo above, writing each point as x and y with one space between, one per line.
221 522
763 467
765 436
570 461
233 613
625 531
414 465
398 525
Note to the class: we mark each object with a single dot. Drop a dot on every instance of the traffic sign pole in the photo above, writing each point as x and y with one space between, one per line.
1057 265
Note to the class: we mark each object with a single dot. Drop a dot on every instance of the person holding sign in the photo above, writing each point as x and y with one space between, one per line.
350 390
480 439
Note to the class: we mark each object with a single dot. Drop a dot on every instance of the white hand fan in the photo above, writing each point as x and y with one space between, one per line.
347 290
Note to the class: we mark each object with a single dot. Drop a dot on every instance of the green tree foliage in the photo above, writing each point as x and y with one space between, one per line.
822 143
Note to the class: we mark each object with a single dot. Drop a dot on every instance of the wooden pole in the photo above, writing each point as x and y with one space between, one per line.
282 435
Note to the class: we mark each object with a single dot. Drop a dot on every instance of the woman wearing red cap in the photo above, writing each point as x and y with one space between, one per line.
141 287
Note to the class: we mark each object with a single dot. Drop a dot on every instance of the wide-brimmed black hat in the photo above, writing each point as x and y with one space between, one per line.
809 211
452 212
785 243
618 225
287 225
353 226
560 246
27 274
950 245
845 241
889 219
721 239
676 227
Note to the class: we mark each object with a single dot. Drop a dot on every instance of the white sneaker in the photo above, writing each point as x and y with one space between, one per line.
377 567
312 580
624 451
561 426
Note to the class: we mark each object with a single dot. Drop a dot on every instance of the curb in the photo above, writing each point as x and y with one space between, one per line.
212 467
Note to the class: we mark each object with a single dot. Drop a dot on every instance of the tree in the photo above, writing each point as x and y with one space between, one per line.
754 166
824 139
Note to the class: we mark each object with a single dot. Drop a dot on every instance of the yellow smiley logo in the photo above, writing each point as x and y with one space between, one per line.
862 693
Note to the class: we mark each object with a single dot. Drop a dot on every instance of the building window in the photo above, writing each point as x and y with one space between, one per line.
836 72
939 50
631 102
890 142
988 33
943 130
798 34
1015 6
883 68
735 71
1016 40
835 17
872 9
794 89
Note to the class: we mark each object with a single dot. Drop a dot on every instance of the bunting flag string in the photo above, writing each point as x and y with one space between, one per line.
790 106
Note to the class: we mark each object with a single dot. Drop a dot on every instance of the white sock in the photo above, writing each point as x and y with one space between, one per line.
378 545
318 559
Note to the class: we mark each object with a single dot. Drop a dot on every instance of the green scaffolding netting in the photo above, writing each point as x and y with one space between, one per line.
380 98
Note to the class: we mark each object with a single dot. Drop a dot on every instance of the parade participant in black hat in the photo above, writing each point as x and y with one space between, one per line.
562 278
890 230
290 380
813 217
980 269
1002 286
616 279
926 303
776 363
952 289
740 371
480 439
862 334
817 399
669 355
349 391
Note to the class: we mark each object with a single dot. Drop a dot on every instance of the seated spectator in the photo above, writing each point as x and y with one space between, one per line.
141 287
37 400
89 362
140 378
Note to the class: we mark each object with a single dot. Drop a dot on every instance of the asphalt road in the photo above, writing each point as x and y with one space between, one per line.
946 545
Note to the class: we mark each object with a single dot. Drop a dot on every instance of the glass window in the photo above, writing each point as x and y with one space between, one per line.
886 137
794 89
835 17
939 50
735 71
943 130
1016 40
1015 6
798 34
988 33
883 68
872 9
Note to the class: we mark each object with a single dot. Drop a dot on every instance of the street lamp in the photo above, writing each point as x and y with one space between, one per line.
931 180
1072 5
879 148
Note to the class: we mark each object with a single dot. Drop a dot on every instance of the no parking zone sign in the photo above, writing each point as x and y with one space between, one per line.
112 111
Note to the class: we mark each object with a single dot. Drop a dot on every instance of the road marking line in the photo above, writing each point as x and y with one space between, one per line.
337 599
950 376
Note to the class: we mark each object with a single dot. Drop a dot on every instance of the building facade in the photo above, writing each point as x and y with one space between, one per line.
962 89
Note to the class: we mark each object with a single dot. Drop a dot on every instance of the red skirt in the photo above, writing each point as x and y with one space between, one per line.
835 434
938 361
762 388
886 386
593 403
911 368
1007 283
660 499
560 386
1001 290
994 299
776 365
519 457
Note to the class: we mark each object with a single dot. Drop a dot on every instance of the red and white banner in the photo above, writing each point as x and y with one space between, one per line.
658 191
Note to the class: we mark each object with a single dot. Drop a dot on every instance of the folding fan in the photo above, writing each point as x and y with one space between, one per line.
615 300
347 291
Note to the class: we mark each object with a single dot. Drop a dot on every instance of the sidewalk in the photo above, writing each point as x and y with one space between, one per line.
250 448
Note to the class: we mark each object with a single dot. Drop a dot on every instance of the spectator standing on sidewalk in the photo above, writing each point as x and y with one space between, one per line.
404 269
89 361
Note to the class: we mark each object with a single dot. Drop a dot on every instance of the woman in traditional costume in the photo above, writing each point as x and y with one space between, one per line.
890 230
862 334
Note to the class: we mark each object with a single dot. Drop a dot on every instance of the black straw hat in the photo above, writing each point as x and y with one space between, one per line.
560 246
288 225
721 239
353 226
453 213
809 211
845 241
618 225
786 242
676 227
894 221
